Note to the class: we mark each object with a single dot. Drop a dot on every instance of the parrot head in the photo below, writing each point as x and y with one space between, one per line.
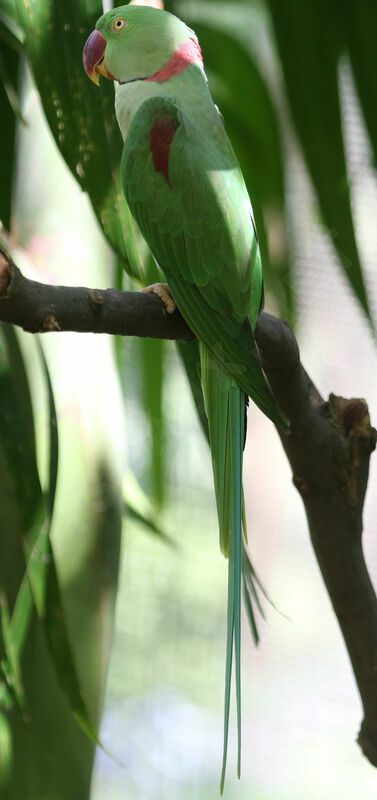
134 43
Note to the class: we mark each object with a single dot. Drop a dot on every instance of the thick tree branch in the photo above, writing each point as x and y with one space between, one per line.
328 448
40 308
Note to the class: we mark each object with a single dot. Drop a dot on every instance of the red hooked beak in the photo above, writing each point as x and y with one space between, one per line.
93 57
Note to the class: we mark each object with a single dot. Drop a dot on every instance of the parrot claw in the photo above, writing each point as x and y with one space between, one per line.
163 292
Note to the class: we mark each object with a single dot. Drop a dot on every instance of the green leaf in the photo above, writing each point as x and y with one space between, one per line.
308 37
10 34
11 666
14 506
15 629
81 116
53 435
8 86
6 751
45 587
360 20
152 359
18 453
190 357
10 31
8 8
9 68
252 581
152 362
141 509
19 623
250 612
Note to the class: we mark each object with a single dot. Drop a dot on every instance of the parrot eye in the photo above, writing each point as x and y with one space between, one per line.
118 24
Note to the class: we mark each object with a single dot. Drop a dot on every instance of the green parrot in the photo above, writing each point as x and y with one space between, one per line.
186 191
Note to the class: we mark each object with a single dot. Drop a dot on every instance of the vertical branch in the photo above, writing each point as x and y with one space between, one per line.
329 451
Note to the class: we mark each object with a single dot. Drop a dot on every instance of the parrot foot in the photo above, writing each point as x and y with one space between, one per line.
163 292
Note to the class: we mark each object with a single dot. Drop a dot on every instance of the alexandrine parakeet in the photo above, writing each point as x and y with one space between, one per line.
185 189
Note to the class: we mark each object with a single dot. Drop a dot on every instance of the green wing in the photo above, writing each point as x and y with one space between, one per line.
197 221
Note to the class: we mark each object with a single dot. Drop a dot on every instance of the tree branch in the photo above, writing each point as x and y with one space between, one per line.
40 308
328 448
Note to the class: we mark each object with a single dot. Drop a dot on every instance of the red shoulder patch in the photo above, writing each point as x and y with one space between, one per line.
189 53
162 135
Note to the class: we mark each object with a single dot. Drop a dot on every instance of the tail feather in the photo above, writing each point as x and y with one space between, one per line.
237 437
225 408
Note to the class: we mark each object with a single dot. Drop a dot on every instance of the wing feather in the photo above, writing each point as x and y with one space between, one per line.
199 227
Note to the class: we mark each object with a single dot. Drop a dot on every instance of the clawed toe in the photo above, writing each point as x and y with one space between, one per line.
163 292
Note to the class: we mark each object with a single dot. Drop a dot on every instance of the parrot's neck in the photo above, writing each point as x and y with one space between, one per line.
188 90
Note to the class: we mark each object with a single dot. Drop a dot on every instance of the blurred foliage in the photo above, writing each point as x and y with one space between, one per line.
9 66
25 522
309 40
360 31
81 119
39 622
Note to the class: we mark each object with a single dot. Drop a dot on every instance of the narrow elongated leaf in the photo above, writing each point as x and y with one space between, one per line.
6 752
10 89
10 34
11 666
15 628
13 385
18 452
53 436
45 587
9 67
360 21
190 356
81 117
152 356
152 361
140 508
8 8
19 623
308 40
251 581
249 611
10 31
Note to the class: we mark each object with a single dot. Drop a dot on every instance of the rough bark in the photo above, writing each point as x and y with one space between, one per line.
40 308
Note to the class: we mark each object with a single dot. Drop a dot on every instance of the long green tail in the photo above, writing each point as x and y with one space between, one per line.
225 407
